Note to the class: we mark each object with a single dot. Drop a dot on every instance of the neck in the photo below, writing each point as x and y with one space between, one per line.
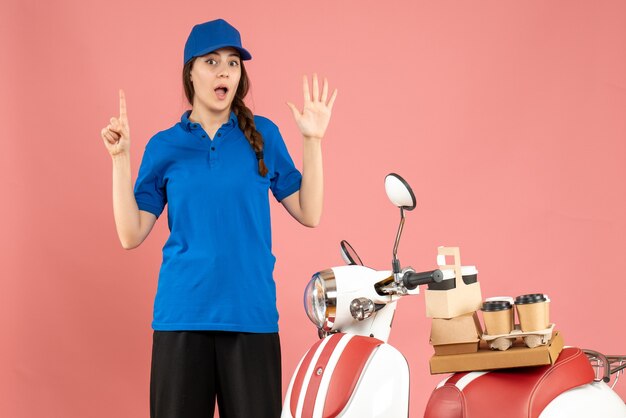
209 118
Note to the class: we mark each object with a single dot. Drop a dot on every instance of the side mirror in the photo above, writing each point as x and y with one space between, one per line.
401 195
348 254
399 192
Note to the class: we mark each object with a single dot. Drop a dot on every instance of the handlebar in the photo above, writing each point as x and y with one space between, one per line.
412 279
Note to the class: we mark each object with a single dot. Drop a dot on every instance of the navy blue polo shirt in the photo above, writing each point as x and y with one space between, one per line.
217 269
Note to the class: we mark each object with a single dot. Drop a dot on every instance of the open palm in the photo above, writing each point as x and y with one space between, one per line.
314 118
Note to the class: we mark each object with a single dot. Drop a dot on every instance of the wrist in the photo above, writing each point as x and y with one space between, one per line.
121 158
312 138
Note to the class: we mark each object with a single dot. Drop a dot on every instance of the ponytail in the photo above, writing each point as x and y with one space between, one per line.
246 124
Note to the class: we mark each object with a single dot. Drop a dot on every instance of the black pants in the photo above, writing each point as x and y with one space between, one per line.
190 368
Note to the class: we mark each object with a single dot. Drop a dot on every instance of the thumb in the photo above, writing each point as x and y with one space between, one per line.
294 110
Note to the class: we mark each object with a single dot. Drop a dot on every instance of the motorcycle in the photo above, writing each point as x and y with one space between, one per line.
353 372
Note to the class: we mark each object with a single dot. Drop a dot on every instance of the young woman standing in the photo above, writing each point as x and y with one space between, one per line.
215 319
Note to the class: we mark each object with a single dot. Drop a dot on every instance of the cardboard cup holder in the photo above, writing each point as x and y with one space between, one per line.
531 339
486 359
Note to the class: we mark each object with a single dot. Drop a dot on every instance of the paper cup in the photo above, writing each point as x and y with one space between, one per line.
533 311
498 317
505 299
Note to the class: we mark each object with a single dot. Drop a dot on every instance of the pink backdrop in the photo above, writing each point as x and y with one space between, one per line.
507 117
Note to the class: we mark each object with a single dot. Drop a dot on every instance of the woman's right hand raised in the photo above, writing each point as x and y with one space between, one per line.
116 135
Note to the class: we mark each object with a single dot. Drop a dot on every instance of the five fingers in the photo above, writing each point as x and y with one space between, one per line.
315 93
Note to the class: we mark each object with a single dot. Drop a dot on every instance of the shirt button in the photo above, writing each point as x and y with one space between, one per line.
203 136
219 134
212 148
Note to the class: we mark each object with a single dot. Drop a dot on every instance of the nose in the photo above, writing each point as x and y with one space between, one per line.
224 72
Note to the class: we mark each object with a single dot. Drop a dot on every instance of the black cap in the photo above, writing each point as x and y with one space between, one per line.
530 298
496 305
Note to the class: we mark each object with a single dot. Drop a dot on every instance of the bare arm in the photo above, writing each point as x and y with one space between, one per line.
306 204
133 225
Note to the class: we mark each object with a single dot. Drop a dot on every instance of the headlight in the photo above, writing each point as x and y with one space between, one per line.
315 301
319 299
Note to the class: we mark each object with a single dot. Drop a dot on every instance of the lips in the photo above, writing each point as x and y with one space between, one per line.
220 92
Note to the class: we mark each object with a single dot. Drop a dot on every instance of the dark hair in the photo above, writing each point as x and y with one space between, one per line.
244 115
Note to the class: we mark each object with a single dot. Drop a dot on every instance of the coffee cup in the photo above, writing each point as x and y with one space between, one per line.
498 317
533 311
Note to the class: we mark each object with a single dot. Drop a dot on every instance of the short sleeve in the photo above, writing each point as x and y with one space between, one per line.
149 188
286 178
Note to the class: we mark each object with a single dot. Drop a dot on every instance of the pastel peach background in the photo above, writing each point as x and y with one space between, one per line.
507 117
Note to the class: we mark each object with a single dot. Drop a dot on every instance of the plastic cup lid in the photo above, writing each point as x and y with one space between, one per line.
501 298
530 298
496 305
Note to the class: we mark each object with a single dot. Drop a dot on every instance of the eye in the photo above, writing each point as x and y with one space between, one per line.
211 60
234 63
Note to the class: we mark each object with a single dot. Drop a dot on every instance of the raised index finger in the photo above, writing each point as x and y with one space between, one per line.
122 105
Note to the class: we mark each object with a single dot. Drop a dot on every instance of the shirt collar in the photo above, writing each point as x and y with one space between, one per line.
187 124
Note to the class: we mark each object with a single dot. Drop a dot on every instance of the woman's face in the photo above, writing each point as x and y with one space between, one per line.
215 77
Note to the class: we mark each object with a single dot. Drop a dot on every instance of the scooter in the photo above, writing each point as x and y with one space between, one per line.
353 372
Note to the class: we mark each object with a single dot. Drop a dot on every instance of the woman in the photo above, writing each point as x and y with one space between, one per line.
215 319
